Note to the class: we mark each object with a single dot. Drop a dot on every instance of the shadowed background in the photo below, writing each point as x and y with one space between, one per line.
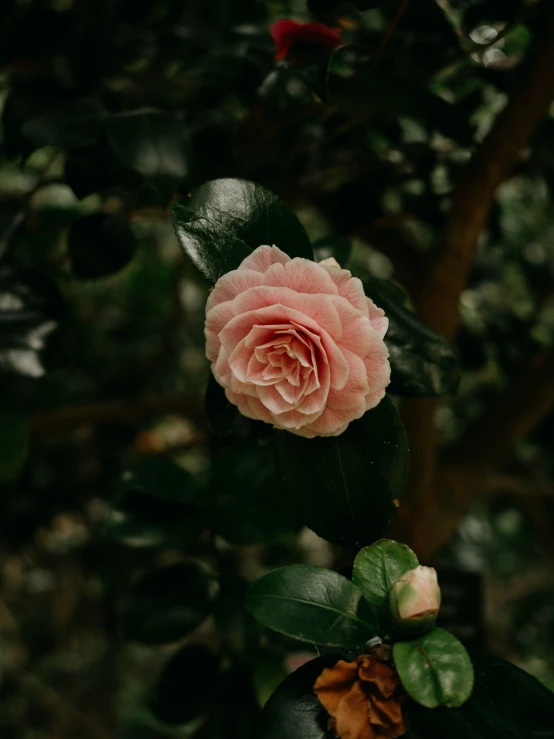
434 168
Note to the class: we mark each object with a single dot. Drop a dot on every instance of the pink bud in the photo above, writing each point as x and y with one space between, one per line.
414 602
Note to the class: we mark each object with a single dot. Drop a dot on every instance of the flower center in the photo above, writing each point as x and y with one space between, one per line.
288 360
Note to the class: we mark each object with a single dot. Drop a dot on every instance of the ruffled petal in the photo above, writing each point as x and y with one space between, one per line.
263 257
301 275
232 284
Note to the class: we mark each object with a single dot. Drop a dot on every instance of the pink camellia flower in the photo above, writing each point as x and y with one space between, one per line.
296 344
414 601
288 33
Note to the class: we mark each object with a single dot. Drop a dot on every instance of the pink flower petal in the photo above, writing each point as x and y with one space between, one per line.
357 331
263 257
232 284
293 420
357 387
216 320
301 275
273 400
377 317
319 309
349 287
272 317
333 419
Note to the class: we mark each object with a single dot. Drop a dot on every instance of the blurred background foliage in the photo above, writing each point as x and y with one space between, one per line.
110 110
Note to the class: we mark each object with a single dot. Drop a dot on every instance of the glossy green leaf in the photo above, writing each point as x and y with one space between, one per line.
378 567
154 144
293 711
435 670
156 504
167 604
173 703
423 364
345 487
99 245
506 703
14 441
248 505
223 221
312 604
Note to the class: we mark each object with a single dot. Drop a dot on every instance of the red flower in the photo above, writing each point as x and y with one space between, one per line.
287 33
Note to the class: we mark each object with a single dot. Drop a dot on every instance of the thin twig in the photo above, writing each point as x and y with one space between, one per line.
127 411
379 51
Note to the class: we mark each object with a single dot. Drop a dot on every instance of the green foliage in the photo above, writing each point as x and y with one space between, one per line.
155 145
294 710
248 506
378 567
345 487
435 669
312 604
156 504
167 604
506 703
223 221
505 700
422 363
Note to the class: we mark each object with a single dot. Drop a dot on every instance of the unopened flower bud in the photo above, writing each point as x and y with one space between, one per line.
414 602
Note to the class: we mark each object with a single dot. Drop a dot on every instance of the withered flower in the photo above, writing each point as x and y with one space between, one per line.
363 698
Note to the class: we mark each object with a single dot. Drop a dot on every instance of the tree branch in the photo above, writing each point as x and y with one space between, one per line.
438 297
439 289
114 412
468 467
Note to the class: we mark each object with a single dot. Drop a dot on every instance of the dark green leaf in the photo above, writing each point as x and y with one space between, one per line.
13 444
224 417
435 670
154 144
167 604
333 246
506 703
67 125
345 487
312 604
378 567
223 221
96 168
163 478
423 364
294 711
155 504
99 245
357 91
186 686
248 505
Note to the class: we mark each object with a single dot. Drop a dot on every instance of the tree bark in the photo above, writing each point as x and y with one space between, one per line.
438 294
